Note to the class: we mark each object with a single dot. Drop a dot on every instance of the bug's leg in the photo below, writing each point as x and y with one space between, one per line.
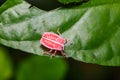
48 52
54 54
63 53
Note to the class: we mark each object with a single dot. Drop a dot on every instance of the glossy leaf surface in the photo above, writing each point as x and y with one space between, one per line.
92 29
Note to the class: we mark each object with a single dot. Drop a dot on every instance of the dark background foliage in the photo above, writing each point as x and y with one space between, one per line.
77 70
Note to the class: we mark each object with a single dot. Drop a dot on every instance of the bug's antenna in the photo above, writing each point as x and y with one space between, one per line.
58 31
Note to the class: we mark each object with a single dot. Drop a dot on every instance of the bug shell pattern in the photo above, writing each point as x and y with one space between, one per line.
52 41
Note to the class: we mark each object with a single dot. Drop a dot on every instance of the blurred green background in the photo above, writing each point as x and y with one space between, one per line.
18 65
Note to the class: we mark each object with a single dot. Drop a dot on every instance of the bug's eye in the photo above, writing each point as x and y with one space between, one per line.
71 43
35 29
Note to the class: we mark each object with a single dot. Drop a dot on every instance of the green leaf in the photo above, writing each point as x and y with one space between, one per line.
9 4
92 30
5 64
17 13
69 1
42 68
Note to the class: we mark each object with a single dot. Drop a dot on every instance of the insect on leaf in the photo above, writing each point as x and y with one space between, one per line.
92 29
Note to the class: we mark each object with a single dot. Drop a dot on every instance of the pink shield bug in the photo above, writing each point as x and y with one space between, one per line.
54 42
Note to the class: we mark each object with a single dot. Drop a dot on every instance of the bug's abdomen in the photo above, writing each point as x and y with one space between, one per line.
54 37
60 40
51 44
